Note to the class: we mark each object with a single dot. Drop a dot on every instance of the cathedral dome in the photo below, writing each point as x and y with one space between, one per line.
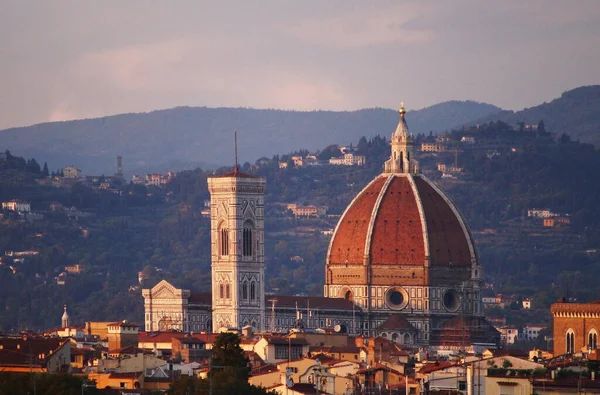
402 219
400 230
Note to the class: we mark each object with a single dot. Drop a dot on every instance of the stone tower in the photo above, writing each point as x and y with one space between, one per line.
65 320
237 250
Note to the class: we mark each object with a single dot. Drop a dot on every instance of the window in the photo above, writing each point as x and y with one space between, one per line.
245 290
570 341
252 290
283 351
593 339
221 291
224 242
227 292
247 239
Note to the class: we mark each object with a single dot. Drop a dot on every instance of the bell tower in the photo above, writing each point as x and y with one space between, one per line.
237 250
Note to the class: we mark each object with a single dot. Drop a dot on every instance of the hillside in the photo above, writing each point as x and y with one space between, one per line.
575 113
187 137
163 234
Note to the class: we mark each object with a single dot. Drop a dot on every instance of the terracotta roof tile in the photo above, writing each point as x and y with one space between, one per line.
397 233
397 228
201 298
396 321
348 242
314 302
432 367
235 173
447 240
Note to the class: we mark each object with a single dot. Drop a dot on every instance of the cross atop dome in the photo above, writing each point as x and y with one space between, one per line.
402 111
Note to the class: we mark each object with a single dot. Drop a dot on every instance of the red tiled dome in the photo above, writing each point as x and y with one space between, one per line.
401 219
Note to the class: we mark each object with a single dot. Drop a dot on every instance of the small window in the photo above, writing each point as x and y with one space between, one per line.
227 292
252 290
247 238
245 290
224 242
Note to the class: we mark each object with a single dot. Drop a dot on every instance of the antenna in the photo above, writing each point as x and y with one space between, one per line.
236 154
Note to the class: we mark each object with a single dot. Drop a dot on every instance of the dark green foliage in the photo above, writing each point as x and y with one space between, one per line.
44 384
575 112
228 375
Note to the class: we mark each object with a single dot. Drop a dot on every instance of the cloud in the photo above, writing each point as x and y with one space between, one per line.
61 112
364 27
304 93
134 67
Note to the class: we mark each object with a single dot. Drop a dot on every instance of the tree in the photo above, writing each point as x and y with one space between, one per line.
228 374
564 138
541 127
329 152
228 355
45 170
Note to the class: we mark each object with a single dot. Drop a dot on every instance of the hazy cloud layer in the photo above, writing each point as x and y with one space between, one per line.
63 60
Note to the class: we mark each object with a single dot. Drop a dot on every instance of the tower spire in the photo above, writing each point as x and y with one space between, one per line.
235 168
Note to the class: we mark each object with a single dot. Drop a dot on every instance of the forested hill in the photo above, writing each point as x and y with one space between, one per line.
116 233
575 112
186 137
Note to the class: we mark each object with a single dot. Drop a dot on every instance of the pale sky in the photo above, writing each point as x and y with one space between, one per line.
63 60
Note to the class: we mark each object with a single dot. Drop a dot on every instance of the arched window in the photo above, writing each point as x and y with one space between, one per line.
394 337
245 290
247 236
570 341
406 338
224 241
252 290
221 291
227 292
593 339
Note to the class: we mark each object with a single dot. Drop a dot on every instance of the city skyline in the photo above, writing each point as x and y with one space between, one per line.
63 62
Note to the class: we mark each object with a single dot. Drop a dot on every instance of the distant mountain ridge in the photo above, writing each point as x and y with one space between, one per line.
186 137
576 112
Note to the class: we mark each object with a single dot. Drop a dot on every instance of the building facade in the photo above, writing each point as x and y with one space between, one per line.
71 172
576 326
17 206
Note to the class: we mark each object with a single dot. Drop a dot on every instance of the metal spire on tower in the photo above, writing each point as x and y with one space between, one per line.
235 168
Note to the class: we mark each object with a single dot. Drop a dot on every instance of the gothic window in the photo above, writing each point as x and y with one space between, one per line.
227 292
247 236
221 291
252 290
245 290
570 341
224 241
593 339
406 338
